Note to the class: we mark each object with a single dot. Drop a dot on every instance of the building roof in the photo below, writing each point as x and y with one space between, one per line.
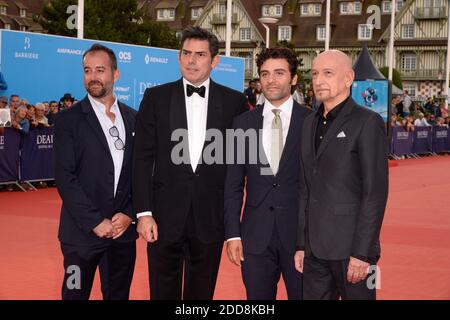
167 4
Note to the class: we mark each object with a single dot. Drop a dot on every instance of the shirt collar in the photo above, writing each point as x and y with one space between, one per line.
333 113
285 108
97 104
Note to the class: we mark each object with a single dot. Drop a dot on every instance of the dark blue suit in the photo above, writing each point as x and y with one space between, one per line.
269 223
84 172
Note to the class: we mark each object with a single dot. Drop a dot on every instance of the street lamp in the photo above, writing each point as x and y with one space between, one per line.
265 22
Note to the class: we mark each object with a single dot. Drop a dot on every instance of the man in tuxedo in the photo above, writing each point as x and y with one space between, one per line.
266 240
93 157
179 204
346 172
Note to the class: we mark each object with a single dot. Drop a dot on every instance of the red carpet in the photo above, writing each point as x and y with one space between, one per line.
415 260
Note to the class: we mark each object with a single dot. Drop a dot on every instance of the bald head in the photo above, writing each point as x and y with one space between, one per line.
332 77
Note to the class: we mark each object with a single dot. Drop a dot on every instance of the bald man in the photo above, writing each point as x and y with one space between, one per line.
344 163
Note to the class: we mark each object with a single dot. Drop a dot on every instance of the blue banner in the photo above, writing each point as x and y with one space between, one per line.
372 94
423 140
440 139
37 159
43 67
9 155
402 141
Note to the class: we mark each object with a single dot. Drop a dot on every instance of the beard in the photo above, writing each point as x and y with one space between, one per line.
98 92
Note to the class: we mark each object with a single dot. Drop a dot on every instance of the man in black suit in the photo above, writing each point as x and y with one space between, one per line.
266 239
179 202
93 150
346 172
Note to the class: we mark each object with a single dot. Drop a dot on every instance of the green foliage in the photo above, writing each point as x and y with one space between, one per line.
396 77
112 20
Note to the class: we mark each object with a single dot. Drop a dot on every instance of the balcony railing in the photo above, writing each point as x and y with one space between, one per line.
430 13
222 19
423 74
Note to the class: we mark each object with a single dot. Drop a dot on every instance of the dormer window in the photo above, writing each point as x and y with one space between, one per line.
23 13
196 12
3 10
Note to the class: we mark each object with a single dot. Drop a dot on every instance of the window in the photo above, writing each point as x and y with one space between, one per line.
317 9
23 13
160 14
249 62
365 31
321 33
266 11
246 34
411 88
433 3
357 7
7 26
278 10
171 13
344 8
23 28
223 10
3 10
386 6
304 10
408 31
409 61
284 33
194 13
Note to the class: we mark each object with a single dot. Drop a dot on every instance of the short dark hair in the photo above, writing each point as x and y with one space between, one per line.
201 34
52 102
14 96
96 47
278 53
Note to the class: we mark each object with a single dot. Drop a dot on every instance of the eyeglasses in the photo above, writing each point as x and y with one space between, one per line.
118 144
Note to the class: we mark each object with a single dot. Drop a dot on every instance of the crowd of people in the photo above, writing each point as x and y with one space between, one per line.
26 116
409 114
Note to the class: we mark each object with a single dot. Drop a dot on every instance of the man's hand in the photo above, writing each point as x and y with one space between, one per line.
357 270
121 222
148 228
235 252
298 260
105 229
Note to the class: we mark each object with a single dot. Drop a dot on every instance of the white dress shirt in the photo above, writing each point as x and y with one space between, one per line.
268 115
106 124
196 115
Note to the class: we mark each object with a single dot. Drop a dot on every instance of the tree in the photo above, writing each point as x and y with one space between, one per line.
112 20
300 74
396 77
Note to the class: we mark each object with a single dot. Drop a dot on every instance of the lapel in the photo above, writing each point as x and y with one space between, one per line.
258 122
292 138
128 123
94 123
343 117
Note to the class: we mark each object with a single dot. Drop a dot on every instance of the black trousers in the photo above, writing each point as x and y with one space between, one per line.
200 261
327 280
80 263
261 272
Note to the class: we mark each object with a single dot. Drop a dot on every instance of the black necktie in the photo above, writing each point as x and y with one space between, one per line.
200 91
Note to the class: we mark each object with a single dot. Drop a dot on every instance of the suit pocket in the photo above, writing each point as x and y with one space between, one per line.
345 209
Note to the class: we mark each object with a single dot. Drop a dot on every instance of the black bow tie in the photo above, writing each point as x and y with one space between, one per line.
200 91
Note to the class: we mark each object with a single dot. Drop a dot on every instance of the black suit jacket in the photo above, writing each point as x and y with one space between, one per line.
171 190
272 201
84 173
347 184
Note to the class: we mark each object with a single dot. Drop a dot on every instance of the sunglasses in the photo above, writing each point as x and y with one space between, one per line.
118 144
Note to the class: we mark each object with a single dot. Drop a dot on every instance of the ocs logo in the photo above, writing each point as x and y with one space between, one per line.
125 56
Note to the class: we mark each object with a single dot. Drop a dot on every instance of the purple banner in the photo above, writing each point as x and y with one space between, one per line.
440 139
37 161
402 141
423 140
9 155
